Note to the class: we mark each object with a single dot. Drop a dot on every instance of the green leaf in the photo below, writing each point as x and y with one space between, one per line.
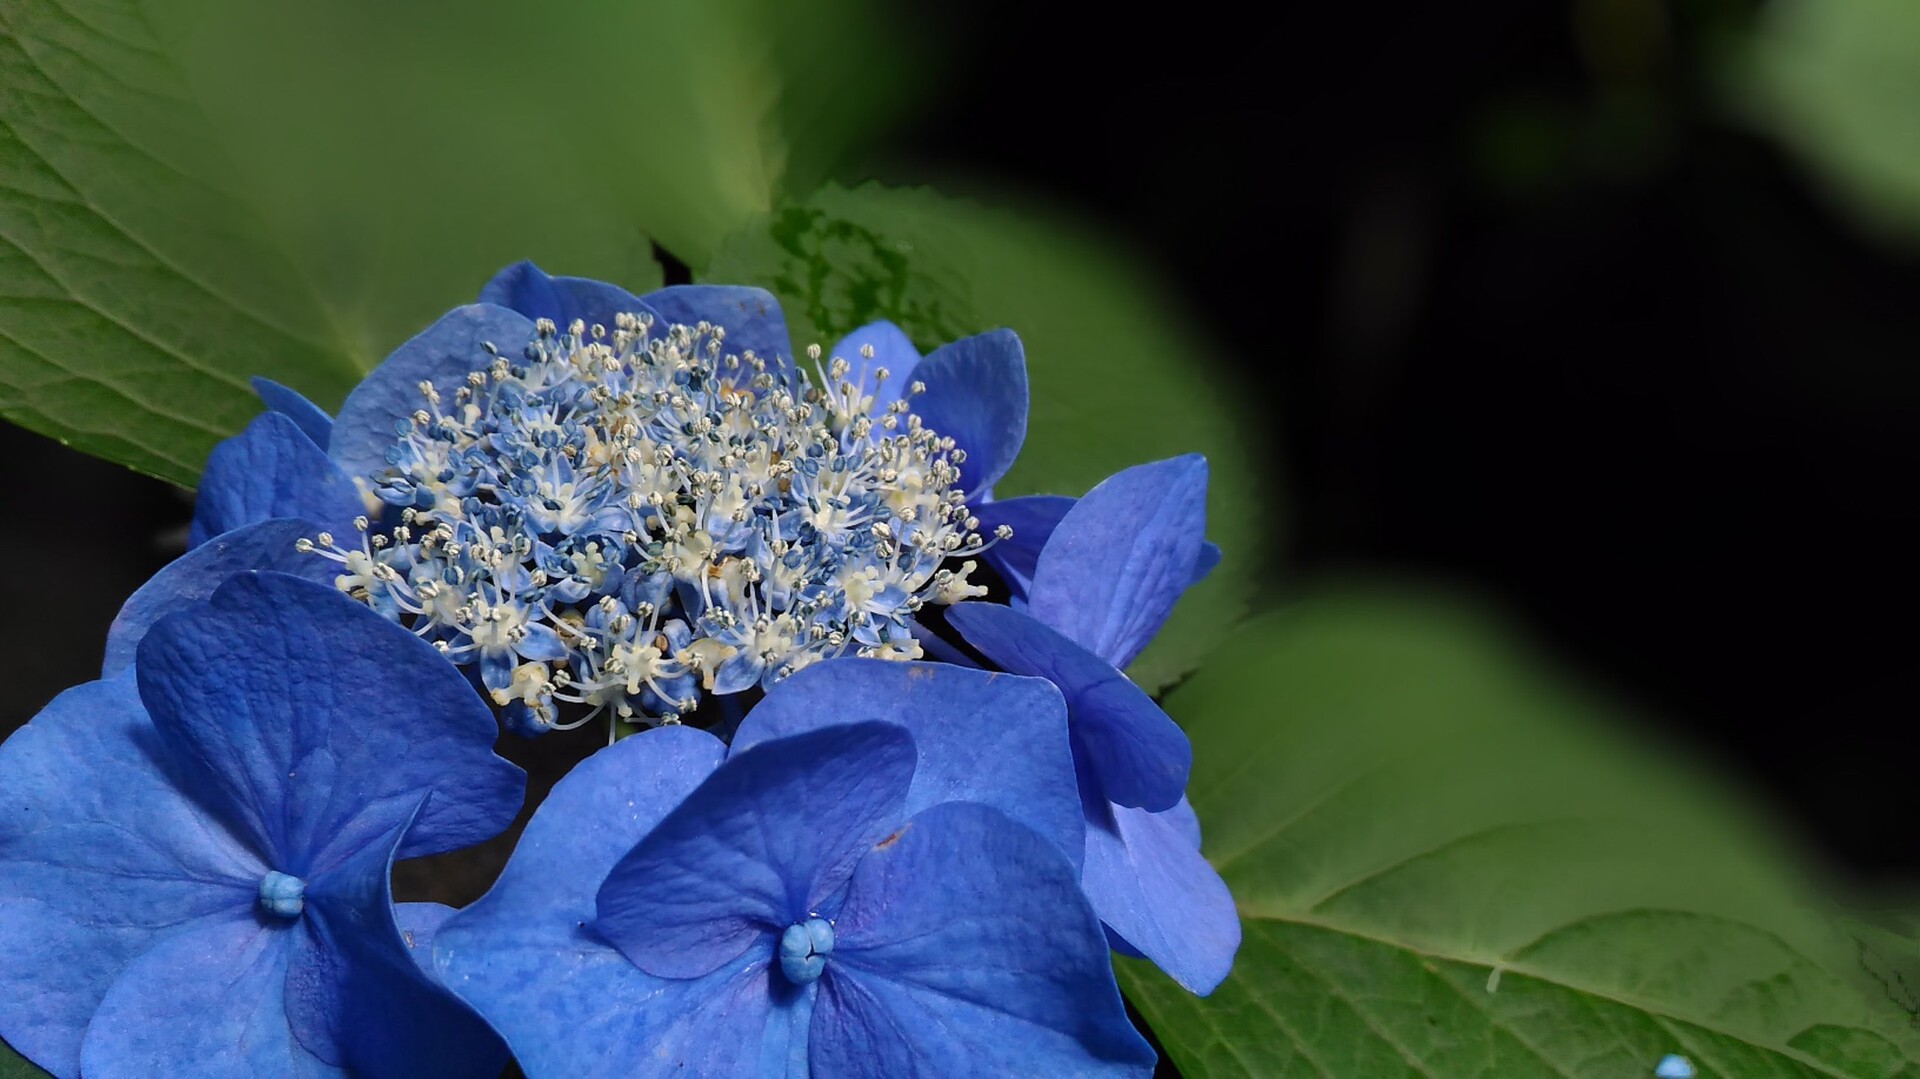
14 1066
196 191
1839 81
1119 375
1449 863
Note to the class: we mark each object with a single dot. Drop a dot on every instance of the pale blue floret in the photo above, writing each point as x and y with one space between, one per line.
804 949
282 895
1674 1066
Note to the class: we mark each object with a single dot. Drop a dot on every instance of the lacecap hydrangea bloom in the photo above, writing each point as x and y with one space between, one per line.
195 854
825 898
608 503
645 508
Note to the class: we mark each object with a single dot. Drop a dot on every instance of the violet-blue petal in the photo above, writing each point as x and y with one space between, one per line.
751 317
937 647
529 290
567 1002
1203 565
1149 884
764 842
1109 575
271 469
193 576
249 694
206 1001
892 352
966 938
419 923
56 973
984 737
1136 755
977 395
100 856
540 643
442 354
1032 518
312 420
355 996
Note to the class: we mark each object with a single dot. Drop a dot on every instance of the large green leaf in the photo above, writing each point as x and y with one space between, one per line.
1839 80
193 191
1119 374
1448 865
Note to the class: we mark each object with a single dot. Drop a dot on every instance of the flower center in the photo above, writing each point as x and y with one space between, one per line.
283 895
625 519
804 949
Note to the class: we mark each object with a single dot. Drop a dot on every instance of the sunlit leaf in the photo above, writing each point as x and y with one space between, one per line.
1448 864
1839 80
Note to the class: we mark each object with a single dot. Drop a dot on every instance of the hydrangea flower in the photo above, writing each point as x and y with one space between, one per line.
621 503
811 905
195 855
1102 586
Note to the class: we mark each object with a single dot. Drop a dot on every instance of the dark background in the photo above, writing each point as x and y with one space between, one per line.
1527 311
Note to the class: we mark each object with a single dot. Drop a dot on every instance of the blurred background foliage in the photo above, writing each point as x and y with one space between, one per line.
1600 310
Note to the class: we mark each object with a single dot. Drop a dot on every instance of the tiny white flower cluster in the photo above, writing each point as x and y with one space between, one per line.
619 519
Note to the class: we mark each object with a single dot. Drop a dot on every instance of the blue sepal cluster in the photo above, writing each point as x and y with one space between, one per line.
1102 585
194 855
822 899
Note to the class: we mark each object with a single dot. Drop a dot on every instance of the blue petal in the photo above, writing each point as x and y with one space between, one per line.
1203 565
965 938
312 420
1033 518
540 643
737 672
205 1001
891 350
101 855
1119 559
496 668
762 844
977 395
1122 740
419 923
566 1001
527 289
269 470
982 737
442 354
751 317
1149 884
295 709
193 577
355 996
